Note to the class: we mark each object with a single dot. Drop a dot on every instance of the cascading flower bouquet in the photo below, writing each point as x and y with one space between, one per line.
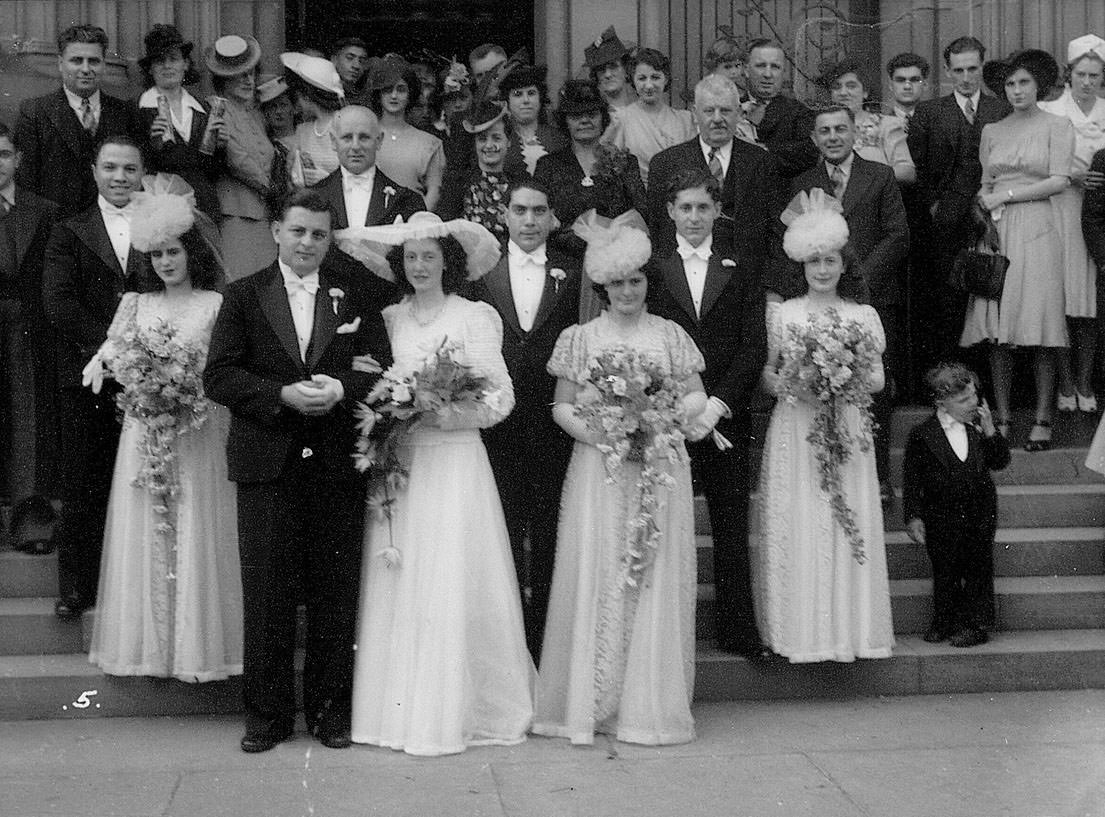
830 361
636 409
399 402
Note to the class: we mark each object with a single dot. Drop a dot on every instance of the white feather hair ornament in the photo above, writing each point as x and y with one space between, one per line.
815 226
614 247
162 211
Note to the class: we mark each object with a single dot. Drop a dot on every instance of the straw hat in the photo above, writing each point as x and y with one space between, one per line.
233 55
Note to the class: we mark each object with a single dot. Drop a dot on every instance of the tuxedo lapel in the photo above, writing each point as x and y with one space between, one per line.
375 214
675 279
326 320
717 277
274 304
65 120
938 442
498 285
549 297
94 235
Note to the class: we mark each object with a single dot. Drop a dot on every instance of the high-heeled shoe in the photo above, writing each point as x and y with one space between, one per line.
1086 405
1039 443
1067 402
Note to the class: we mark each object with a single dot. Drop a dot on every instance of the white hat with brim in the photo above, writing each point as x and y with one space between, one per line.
233 55
481 247
315 71
270 88
1084 46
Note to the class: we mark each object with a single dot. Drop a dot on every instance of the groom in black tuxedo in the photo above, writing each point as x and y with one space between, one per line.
281 360
536 292
716 296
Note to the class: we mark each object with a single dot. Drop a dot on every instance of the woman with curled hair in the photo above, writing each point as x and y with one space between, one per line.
650 124
524 90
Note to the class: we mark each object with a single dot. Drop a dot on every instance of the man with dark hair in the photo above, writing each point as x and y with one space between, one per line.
350 58
907 73
484 58
715 294
26 355
943 140
782 123
89 264
281 360
57 132
535 290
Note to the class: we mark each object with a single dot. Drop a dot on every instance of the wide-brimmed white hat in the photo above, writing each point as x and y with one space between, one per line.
270 88
233 55
315 71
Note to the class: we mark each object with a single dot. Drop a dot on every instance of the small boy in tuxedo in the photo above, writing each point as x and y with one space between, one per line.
951 505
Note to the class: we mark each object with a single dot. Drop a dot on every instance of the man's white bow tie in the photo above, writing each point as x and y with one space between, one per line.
538 258
359 182
696 252
123 212
294 285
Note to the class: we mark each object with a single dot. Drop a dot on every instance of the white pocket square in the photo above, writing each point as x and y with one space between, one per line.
348 328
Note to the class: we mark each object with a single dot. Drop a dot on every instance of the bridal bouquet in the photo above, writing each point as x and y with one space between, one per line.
161 377
636 409
396 405
830 361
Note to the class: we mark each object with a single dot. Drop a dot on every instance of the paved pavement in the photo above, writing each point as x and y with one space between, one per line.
1028 754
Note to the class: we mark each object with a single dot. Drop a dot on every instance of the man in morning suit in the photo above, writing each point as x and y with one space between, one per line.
782 124
943 140
27 433
57 133
878 233
359 193
751 190
281 360
535 290
89 265
717 297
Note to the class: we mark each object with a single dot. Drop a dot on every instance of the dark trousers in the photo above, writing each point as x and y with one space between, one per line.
17 404
882 406
529 457
303 530
962 574
723 477
89 434
937 310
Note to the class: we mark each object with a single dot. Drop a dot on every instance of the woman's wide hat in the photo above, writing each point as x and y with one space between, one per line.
483 116
317 72
161 40
1040 64
389 71
233 55
605 50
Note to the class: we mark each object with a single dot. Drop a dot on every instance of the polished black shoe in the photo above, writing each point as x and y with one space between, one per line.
71 606
756 653
334 736
936 633
969 637
264 739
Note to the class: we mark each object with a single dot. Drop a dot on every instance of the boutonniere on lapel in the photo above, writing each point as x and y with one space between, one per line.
389 191
335 298
587 181
728 262
557 275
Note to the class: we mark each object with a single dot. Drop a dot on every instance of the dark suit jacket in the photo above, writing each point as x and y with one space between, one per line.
945 149
383 207
1093 221
938 490
877 226
182 157
732 330
81 287
58 153
29 223
785 129
750 200
254 353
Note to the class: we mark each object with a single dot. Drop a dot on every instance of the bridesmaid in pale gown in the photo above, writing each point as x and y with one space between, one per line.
170 596
441 660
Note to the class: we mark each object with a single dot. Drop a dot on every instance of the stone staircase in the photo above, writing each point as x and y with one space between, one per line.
1050 586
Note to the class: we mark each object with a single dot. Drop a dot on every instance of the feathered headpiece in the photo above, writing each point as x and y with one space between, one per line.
163 210
815 225
614 247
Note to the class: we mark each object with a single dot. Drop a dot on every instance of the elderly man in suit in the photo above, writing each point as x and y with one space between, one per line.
782 124
26 359
281 360
751 190
89 265
878 233
943 140
57 133
535 290
359 193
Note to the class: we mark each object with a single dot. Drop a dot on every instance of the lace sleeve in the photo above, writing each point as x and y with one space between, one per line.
872 322
774 332
569 356
483 351
686 359
125 318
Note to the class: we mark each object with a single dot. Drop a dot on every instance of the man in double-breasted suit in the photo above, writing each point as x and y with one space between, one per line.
27 433
717 297
878 233
89 264
58 132
751 190
782 123
536 292
943 140
358 192
281 360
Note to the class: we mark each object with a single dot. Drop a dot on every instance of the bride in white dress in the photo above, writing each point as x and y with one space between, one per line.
170 598
441 660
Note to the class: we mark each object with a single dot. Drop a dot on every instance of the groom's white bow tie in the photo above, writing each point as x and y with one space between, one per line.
537 257
358 183
308 284
687 253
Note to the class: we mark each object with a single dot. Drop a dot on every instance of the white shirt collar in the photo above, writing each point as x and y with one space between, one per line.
685 250
149 99
538 255
369 174
902 113
961 100
845 166
76 100
723 151
947 421
110 209
8 193
289 274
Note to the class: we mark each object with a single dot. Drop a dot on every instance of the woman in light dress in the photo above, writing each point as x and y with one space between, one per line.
1082 105
318 94
815 601
170 599
619 659
1026 163
650 124
441 660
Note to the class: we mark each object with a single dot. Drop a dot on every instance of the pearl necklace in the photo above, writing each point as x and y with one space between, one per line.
432 318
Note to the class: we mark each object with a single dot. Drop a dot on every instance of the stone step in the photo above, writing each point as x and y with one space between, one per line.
67 686
24 575
28 626
1023 603
1018 552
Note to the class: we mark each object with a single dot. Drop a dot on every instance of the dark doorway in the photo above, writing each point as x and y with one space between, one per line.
446 27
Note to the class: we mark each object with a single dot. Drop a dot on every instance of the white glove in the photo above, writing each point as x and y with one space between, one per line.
704 423
93 374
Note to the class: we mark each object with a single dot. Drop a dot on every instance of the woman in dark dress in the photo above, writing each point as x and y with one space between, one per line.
523 90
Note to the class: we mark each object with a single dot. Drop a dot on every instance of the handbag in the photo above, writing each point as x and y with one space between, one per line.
980 270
